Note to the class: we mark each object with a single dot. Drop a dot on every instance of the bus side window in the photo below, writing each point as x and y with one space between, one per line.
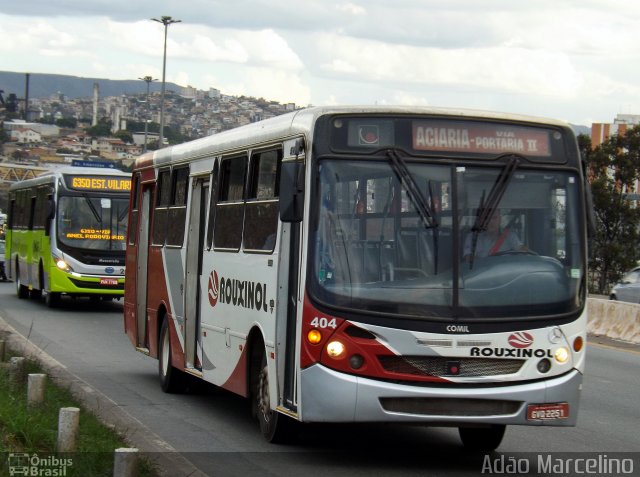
261 215
12 211
133 225
42 210
227 232
213 194
22 209
178 206
161 208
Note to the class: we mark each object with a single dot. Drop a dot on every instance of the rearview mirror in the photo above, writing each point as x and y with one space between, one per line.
292 191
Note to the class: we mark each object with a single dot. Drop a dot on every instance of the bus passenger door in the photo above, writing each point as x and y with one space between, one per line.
193 272
142 266
289 279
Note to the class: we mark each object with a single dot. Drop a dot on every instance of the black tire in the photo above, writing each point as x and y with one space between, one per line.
36 293
172 380
52 299
21 290
276 427
482 439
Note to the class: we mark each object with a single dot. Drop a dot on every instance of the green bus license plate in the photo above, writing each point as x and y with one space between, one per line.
108 281
547 412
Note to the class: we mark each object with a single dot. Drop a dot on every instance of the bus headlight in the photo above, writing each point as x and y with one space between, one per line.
335 349
62 265
562 355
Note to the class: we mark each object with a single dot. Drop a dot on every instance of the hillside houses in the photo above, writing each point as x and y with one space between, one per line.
191 112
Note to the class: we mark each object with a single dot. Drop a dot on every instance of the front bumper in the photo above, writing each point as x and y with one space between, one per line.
330 396
85 284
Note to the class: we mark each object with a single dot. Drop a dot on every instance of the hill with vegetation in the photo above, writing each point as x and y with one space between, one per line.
45 85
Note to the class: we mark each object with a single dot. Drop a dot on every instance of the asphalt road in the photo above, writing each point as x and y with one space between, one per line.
214 429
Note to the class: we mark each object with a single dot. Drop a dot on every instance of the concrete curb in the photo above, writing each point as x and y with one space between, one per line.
167 460
614 319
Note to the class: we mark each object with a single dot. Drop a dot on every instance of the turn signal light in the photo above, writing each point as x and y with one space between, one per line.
314 337
578 344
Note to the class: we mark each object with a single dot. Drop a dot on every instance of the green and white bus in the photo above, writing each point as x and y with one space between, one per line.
66 234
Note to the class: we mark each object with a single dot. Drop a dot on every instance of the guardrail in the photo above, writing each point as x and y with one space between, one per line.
614 319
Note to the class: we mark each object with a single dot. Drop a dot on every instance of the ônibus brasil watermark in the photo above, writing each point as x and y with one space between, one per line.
560 464
32 465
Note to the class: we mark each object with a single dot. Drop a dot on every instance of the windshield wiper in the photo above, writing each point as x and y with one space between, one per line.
425 211
488 208
93 209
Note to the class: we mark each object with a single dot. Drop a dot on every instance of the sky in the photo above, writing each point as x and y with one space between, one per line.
574 60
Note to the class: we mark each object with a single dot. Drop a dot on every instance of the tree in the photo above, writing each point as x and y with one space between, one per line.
102 129
19 155
174 136
48 119
125 136
614 167
70 123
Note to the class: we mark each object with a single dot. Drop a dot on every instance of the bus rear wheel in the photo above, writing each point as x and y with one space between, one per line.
275 426
172 380
21 290
482 439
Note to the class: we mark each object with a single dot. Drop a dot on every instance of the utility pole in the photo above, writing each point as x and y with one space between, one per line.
148 80
166 21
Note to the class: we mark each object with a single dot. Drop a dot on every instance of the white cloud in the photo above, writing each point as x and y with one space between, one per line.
351 9
269 83
503 68
576 58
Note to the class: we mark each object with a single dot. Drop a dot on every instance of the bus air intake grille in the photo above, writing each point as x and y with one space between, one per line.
451 406
441 366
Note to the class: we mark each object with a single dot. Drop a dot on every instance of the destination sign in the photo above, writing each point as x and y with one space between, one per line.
471 137
98 183
94 234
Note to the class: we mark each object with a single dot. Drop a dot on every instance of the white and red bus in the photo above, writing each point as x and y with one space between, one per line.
331 265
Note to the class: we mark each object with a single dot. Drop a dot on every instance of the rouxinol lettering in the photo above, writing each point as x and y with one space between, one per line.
511 352
244 293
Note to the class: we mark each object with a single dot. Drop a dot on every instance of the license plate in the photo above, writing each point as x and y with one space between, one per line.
108 281
547 412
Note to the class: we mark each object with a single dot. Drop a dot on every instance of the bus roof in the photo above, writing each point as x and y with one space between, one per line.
51 175
301 122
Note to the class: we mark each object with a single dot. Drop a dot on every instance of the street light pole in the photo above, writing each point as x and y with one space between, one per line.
148 80
166 21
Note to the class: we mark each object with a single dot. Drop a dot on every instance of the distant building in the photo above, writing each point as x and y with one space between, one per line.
600 132
189 92
25 135
45 130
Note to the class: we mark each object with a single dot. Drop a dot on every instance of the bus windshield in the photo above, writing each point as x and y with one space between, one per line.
448 241
90 222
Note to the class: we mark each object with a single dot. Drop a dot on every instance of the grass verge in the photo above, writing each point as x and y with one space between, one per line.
33 430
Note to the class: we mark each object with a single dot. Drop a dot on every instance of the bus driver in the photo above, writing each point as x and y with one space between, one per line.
492 241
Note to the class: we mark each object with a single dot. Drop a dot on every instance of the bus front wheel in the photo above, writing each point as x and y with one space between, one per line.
171 379
482 439
275 426
51 299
